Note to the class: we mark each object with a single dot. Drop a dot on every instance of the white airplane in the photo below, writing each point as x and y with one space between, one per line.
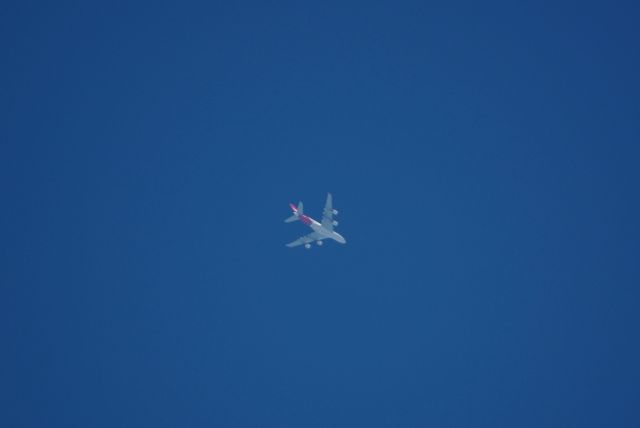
322 230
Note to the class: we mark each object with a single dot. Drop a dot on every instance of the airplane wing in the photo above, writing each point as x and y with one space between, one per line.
327 214
313 236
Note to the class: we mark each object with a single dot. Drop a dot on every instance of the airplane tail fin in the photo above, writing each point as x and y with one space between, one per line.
297 211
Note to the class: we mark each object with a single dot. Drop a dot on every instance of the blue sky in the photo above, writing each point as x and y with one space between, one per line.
483 157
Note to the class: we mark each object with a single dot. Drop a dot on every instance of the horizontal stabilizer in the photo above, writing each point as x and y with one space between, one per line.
297 212
292 218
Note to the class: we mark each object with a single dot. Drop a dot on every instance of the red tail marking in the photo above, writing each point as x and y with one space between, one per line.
305 219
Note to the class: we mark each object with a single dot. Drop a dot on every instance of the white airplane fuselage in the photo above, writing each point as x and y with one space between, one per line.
317 227
321 229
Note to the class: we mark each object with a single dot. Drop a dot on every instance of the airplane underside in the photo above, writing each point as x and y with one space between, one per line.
321 230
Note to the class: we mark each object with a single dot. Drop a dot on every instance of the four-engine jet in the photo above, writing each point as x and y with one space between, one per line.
322 230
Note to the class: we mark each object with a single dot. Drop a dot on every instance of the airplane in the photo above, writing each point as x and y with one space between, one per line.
322 230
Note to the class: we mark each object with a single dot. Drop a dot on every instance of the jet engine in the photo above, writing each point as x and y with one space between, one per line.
335 212
335 222
307 246
319 243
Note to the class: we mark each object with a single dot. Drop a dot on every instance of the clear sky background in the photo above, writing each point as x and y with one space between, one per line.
484 159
